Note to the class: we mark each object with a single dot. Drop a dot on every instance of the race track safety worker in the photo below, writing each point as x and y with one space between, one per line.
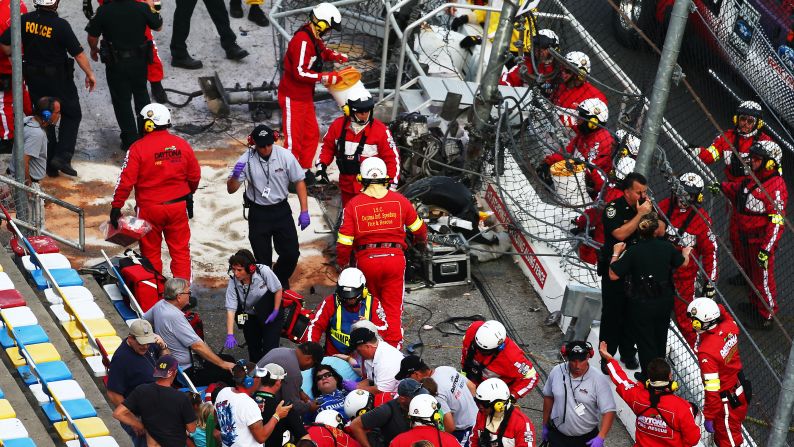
628 145
126 51
253 304
303 63
424 412
353 138
545 77
663 419
727 391
328 430
268 169
164 172
689 225
488 352
747 130
520 37
373 227
592 142
760 207
7 109
48 41
350 302
574 88
358 402
499 421
154 67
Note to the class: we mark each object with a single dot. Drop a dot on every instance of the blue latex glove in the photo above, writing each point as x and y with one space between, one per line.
231 342
272 316
544 434
304 220
709 426
238 170
349 385
598 441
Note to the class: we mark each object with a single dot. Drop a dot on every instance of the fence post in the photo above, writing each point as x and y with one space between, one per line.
661 85
780 423
20 197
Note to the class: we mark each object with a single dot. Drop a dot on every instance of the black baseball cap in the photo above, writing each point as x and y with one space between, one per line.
410 365
577 350
263 136
359 336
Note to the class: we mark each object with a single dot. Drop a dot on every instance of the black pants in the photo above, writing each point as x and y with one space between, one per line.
650 320
557 439
182 17
260 337
273 227
127 81
615 328
62 87
208 373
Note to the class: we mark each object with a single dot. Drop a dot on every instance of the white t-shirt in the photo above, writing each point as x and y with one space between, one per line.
385 365
234 413
454 396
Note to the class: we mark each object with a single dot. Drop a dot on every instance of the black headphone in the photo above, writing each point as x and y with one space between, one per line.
569 347
45 111
247 381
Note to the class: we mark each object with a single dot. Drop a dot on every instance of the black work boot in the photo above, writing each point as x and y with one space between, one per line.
236 9
235 53
186 62
158 92
256 15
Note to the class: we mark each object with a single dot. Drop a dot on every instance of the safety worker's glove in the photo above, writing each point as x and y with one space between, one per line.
709 426
330 78
322 172
304 220
763 259
714 187
238 170
349 385
459 21
272 316
544 434
598 441
115 215
393 187
469 42
694 149
338 57
88 9
708 291
231 342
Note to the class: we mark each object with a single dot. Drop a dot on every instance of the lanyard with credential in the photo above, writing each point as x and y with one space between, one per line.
265 165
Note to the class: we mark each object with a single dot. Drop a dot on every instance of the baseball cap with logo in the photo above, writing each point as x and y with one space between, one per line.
142 331
263 136
165 365
271 371
410 365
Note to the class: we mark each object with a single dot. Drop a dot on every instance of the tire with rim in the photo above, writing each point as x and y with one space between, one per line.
641 13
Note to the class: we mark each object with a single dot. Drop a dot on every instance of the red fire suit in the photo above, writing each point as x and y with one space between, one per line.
592 215
7 107
374 140
669 424
689 229
760 227
302 64
425 433
154 69
325 436
509 364
717 350
375 228
513 76
334 321
518 432
596 148
163 170
567 99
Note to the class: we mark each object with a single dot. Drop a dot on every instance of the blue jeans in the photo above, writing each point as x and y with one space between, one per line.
137 441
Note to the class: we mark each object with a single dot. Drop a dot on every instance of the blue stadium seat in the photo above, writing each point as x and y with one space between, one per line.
28 335
125 311
64 278
50 371
77 409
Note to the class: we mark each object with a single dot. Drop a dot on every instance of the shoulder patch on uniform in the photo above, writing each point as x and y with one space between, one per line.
611 211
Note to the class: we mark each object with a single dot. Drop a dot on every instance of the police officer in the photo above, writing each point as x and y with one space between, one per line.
182 15
125 51
269 169
48 41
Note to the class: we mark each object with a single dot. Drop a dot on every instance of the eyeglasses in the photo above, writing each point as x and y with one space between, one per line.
324 376
747 118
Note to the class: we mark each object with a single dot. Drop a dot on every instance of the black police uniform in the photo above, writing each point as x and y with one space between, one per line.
48 41
217 11
615 330
125 51
648 267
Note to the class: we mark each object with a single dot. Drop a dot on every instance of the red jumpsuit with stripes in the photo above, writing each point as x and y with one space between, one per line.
689 227
717 350
567 99
375 228
7 108
154 69
595 147
518 432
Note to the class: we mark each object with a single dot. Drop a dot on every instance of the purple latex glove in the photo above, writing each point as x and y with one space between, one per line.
598 441
304 219
238 170
349 385
272 316
231 342
709 426
544 434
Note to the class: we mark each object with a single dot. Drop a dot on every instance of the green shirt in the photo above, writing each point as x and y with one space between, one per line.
123 23
655 258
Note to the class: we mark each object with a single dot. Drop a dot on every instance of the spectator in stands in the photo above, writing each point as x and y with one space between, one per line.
381 361
455 395
327 431
132 365
328 390
574 88
575 398
424 413
271 406
158 409
390 419
306 356
170 323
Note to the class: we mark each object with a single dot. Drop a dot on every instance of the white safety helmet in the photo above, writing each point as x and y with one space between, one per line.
493 391
326 16
546 38
624 167
491 335
693 185
749 108
768 150
373 168
629 142
594 108
704 313
423 408
350 284
157 113
45 2
579 60
358 402
331 418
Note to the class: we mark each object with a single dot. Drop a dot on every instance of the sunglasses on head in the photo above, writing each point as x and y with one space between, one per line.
323 376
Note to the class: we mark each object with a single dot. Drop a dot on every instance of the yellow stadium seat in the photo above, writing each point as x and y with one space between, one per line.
111 343
6 411
99 328
89 427
41 353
